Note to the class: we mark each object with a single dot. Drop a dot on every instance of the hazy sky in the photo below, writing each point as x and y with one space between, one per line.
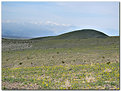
33 19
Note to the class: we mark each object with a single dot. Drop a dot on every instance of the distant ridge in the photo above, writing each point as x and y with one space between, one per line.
78 34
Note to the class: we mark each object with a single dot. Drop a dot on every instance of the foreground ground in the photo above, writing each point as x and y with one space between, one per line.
61 64
95 76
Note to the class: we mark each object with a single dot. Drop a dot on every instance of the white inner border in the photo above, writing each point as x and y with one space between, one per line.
51 1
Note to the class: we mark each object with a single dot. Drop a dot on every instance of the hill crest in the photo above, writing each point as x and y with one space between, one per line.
78 34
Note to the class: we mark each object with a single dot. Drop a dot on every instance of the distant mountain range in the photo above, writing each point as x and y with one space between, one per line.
15 37
78 34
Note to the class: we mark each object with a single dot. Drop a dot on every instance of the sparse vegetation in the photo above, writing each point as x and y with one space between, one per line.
98 76
61 64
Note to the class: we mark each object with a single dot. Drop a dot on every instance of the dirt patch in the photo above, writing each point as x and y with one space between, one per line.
19 86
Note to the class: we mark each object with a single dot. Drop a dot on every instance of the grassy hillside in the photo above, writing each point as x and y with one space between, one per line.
78 34
91 63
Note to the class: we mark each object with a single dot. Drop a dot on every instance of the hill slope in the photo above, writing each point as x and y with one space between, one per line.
78 34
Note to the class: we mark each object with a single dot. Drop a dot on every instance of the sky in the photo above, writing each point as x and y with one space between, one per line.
39 19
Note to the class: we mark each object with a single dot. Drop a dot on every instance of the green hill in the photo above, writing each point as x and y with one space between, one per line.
78 34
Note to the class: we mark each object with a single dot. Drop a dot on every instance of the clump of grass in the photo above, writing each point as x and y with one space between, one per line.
20 63
63 62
